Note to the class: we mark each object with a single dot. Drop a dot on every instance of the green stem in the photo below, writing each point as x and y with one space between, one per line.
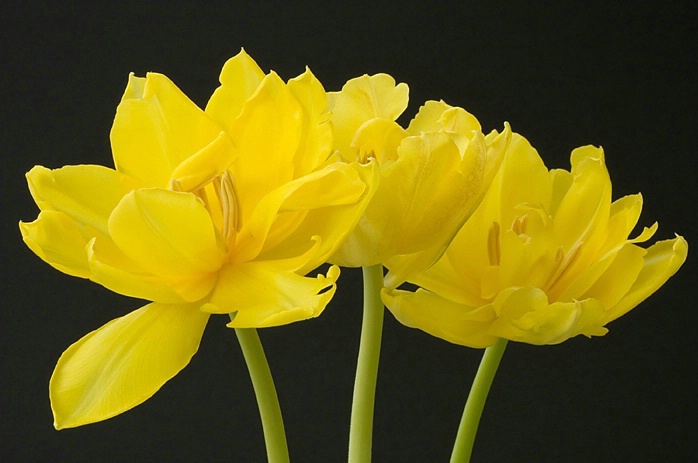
361 429
264 390
465 439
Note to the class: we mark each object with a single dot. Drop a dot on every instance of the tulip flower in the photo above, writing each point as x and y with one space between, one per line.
222 211
432 176
545 257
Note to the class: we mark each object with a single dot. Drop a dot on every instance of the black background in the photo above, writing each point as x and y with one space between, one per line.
563 74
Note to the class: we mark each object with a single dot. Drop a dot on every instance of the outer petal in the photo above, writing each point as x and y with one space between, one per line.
166 232
445 319
662 260
124 363
169 235
316 140
524 315
325 203
156 128
110 268
264 295
58 241
362 99
240 78
267 134
86 193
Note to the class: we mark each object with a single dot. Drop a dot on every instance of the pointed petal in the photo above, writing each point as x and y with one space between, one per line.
662 260
583 211
57 240
609 287
166 233
156 128
445 319
86 193
316 140
267 135
239 80
263 295
125 362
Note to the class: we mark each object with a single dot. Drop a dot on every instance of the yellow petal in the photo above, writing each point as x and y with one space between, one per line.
166 233
618 278
316 140
58 241
110 268
202 167
361 99
583 211
662 260
86 193
379 139
427 118
125 362
423 199
524 315
239 80
156 128
263 295
267 135
325 203
445 319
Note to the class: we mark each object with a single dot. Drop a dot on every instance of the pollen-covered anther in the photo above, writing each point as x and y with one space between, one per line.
493 246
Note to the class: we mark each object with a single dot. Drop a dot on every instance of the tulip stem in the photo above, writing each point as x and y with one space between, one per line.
264 390
465 438
361 428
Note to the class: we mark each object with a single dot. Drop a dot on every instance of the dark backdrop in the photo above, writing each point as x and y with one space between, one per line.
562 73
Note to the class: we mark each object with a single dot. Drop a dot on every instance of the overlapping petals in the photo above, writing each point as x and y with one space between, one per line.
545 257
432 174
217 211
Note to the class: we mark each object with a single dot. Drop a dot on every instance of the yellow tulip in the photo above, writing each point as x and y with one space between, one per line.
432 174
216 211
545 257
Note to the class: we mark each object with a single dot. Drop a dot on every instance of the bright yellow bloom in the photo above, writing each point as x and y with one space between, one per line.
545 257
215 211
433 174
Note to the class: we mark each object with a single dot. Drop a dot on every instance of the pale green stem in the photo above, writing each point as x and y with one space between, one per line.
465 439
361 428
264 390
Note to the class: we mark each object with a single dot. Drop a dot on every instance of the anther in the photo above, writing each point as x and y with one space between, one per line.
493 247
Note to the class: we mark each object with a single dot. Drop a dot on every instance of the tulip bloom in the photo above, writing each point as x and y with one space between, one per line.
432 174
216 211
545 257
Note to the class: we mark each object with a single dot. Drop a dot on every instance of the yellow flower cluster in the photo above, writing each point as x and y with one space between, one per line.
226 210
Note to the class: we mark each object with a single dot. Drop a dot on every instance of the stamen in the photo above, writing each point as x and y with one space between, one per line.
225 189
493 246
365 156
519 225
175 185
563 262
